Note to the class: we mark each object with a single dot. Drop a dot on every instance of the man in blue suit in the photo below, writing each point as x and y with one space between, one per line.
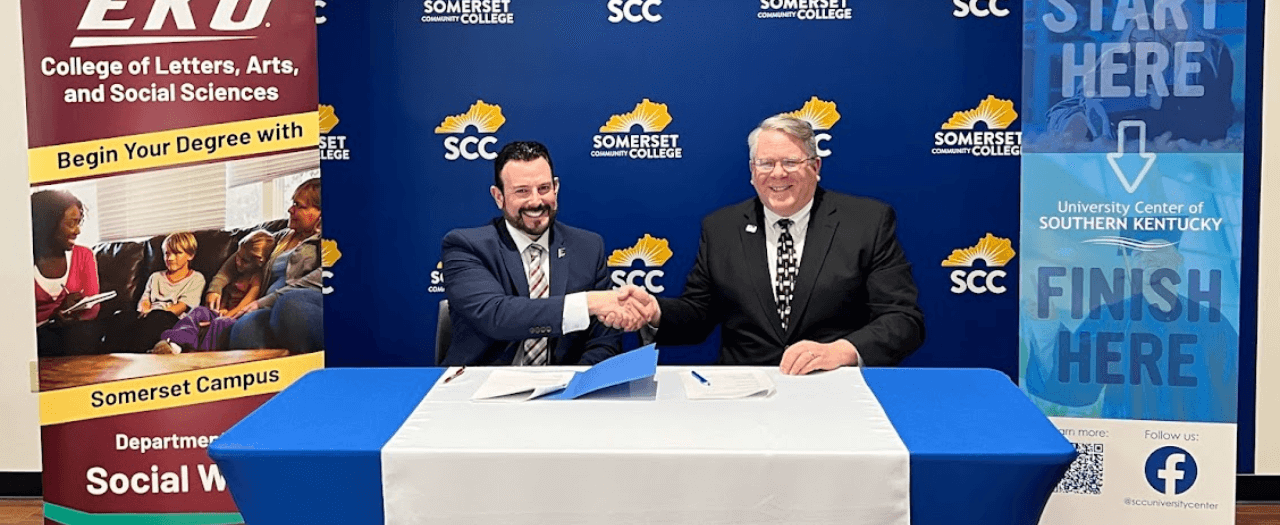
523 288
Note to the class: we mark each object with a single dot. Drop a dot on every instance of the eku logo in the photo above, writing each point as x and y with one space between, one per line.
994 251
485 118
634 11
652 253
1171 470
97 17
820 115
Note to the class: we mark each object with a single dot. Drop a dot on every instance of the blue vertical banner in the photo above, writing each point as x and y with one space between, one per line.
1132 176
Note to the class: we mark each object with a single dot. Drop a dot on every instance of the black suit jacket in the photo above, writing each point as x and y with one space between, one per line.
854 283
489 304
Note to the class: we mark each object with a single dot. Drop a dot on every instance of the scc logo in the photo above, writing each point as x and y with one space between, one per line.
639 277
977 281
633 11
966 7
470 148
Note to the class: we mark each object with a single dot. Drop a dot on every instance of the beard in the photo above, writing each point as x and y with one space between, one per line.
517 220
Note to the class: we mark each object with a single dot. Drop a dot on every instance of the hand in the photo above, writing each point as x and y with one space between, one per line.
67 302
214 301
808 356
613 311
643 302
247 308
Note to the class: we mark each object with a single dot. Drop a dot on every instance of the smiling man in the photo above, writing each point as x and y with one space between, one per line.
522 289
799 277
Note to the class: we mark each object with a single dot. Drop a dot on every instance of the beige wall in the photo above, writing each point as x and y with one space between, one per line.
19 419
1268 436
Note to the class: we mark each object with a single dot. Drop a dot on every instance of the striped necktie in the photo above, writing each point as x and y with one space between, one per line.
535 350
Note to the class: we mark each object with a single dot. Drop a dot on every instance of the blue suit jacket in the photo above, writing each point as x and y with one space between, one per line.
489 304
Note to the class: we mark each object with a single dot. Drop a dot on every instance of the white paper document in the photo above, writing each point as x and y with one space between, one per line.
727 383
88 302
518 385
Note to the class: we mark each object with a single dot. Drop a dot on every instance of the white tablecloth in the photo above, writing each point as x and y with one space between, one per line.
820 450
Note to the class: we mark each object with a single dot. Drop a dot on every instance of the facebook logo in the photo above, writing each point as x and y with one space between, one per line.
1171 470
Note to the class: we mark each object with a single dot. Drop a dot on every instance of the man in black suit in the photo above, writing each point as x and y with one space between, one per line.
801 277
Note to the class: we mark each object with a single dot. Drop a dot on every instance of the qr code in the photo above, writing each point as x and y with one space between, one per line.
1085 474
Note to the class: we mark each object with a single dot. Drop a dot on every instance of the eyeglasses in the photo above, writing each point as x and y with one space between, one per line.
788 165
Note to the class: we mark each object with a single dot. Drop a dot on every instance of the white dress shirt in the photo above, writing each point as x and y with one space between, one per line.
575 315
799 227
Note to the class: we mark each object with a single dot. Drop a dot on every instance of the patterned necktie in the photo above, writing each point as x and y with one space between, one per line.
785 283
535 350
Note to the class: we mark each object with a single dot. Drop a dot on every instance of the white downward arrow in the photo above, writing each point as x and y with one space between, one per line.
1142 152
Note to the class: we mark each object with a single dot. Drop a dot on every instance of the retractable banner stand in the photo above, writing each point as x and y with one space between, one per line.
167 140
1132 171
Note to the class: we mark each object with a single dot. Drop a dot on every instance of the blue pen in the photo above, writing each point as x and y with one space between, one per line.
700 379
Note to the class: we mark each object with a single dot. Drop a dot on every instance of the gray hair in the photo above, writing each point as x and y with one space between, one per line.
794 127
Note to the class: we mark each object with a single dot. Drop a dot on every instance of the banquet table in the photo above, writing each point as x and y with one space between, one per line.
399 445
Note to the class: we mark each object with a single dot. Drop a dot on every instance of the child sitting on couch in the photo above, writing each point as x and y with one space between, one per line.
239 282
169 294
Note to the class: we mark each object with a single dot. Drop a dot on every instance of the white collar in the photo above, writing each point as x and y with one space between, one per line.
523 241
799 218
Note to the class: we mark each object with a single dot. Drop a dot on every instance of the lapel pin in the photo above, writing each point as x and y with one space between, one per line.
560 253
751 228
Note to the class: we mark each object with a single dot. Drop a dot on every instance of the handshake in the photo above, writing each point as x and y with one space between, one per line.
628 308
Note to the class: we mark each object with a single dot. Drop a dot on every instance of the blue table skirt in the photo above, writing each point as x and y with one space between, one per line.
981 453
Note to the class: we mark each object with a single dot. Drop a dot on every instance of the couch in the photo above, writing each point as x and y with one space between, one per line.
124 266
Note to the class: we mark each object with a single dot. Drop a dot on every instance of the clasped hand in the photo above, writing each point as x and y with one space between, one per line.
628 308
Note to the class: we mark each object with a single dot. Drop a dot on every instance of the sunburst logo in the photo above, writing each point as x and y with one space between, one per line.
994 251
959 134
650 116
328 119
818 113
617 140
484 118
995 113
821 116
651 252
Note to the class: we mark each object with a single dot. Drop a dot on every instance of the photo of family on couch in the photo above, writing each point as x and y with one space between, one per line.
254 287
